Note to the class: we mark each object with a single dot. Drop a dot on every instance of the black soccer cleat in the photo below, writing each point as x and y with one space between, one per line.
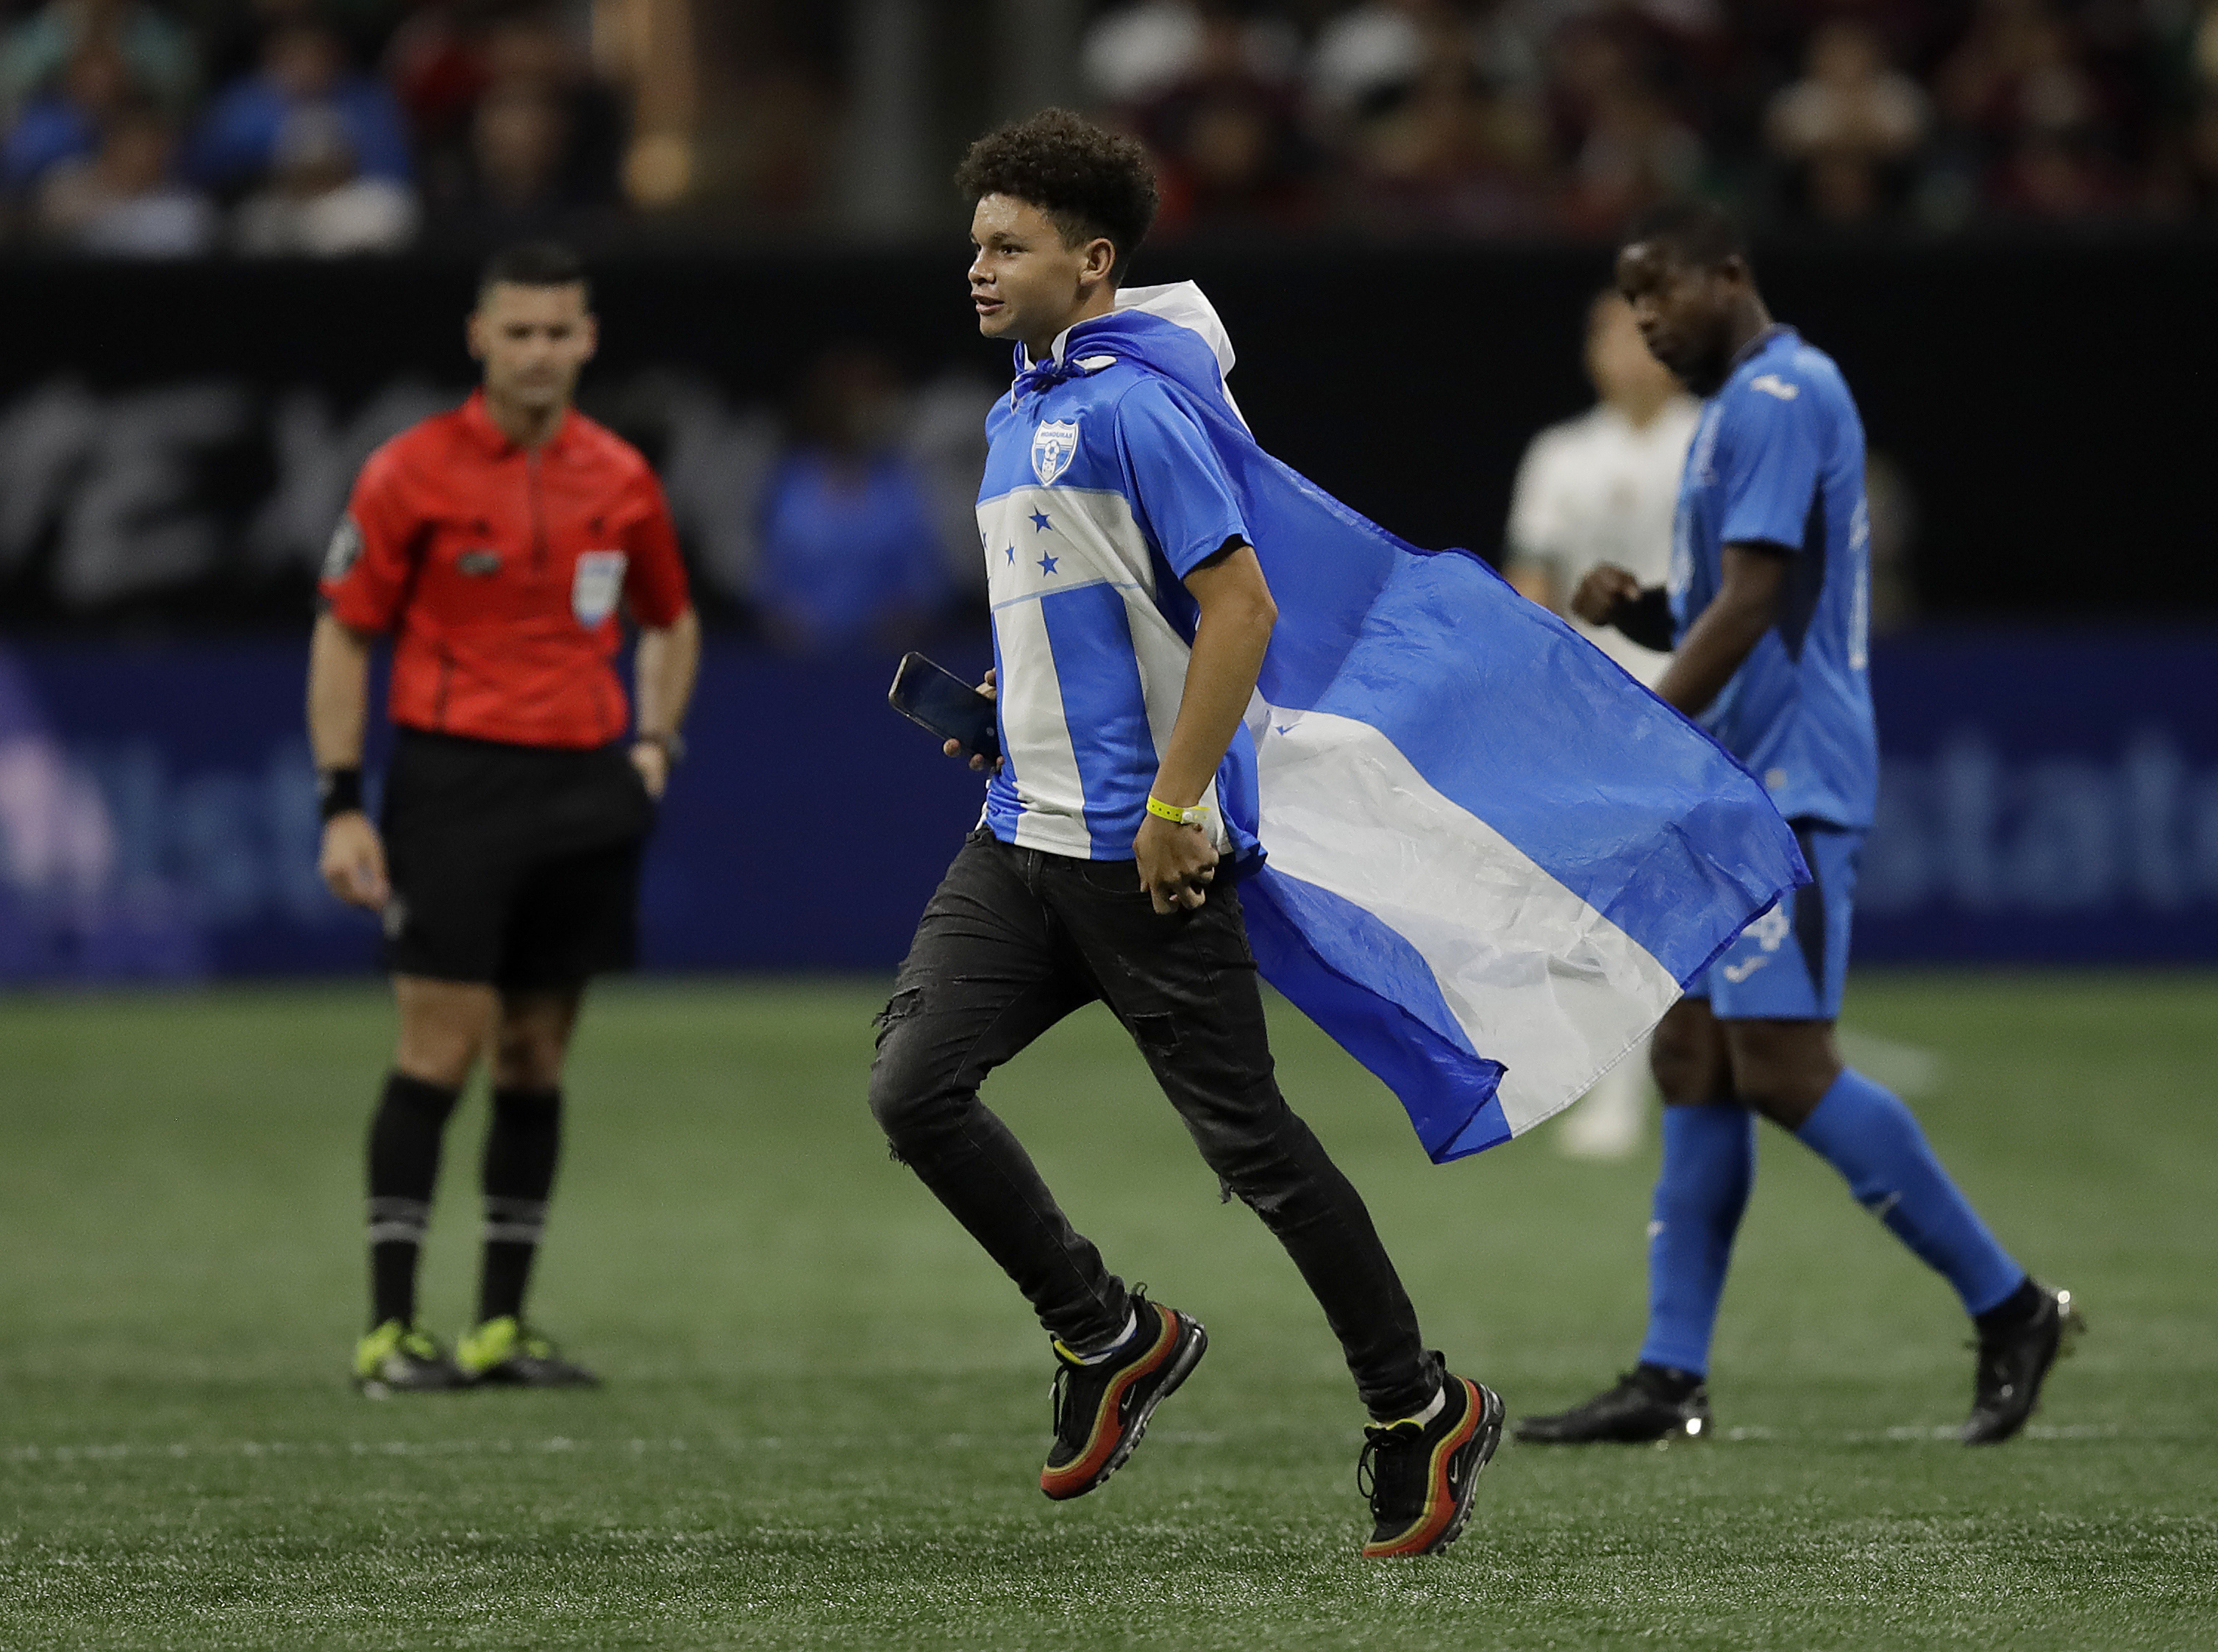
399 1359
1101 1410
1421 1477
2013 1364
506 1354
1648 1404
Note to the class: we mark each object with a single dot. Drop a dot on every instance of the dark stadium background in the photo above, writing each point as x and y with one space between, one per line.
2053 643
2048 400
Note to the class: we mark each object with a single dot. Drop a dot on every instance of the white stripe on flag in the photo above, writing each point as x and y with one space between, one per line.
1539 980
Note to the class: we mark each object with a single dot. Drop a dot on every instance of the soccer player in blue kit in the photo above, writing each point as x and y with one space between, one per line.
1131 616
1768 609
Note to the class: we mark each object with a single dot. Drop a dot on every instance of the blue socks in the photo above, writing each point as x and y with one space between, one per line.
1709 1163
1863 1131
1866 1134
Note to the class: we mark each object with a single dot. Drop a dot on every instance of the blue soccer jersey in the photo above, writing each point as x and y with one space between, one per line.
1778 459
1100 497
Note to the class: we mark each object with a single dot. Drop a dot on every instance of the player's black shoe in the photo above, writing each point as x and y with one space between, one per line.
1421 1476
1101 1410
505 1352
1649 1403
2013 1363
397 1358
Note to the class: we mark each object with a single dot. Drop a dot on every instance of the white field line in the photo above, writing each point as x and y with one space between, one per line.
1902 1434
557 1445
1914 1434
1906 1069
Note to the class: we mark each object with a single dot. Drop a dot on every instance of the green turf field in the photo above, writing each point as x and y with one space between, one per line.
825 1411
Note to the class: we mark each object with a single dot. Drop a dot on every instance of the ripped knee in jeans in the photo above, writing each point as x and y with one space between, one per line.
901 1006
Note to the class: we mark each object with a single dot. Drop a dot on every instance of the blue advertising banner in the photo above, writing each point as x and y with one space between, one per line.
2045 798
2048 797
158 818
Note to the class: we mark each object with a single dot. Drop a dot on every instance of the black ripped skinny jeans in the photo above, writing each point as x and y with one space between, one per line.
1016 939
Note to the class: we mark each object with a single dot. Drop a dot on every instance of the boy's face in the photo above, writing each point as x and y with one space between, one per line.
1025 283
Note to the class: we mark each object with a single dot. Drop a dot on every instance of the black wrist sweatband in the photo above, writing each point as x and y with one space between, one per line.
1647 619
338 791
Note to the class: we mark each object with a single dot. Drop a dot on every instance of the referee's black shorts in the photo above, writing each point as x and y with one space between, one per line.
513 865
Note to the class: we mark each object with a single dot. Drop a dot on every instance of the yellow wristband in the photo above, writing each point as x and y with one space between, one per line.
1196 816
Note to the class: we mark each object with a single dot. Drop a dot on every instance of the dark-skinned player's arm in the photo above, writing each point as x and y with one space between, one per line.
663 668
1178 863
352 859
1722 635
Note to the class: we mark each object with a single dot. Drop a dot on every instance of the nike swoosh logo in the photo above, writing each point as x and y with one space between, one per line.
1738 972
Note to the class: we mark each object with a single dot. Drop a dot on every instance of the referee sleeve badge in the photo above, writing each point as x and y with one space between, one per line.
345 550
596 585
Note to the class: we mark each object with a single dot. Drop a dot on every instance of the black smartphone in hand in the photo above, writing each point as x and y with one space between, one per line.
935 699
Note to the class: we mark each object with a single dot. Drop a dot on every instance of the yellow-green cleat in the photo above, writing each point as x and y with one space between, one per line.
508 1352
399 1359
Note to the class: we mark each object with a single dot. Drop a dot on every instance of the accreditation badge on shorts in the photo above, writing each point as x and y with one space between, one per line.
596 585
1054 445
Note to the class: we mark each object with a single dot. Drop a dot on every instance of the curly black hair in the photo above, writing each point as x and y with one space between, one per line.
1089 182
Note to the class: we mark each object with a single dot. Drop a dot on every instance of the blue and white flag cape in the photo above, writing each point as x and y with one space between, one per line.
1494 860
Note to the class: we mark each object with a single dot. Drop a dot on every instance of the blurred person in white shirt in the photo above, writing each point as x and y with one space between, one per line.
123 202
1850 127
318 203
1603 487
1371 54
1139 52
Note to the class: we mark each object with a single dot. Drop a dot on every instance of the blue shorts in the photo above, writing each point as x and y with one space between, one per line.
1789 964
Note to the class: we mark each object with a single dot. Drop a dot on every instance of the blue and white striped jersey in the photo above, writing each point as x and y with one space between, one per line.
1495 860
1101 496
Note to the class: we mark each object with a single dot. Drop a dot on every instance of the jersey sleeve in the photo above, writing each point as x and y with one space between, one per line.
655 572
372 557
1180 491
1770 467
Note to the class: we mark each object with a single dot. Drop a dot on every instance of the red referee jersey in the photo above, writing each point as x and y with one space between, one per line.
499 568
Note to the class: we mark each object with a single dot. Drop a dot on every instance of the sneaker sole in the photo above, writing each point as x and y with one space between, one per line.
1690 1430
377 1387
1187 1356
496 1377
1476 1452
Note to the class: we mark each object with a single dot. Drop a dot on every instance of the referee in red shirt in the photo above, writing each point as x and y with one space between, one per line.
495 544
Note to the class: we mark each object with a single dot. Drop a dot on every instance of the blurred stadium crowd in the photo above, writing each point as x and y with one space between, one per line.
1533 117
288 127
178 128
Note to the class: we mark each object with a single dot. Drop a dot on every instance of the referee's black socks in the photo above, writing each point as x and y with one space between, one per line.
518 1173
403 1167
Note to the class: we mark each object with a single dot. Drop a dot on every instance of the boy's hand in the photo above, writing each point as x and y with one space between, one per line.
1177 864
954 748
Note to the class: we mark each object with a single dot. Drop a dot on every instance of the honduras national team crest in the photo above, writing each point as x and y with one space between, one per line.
1054 444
